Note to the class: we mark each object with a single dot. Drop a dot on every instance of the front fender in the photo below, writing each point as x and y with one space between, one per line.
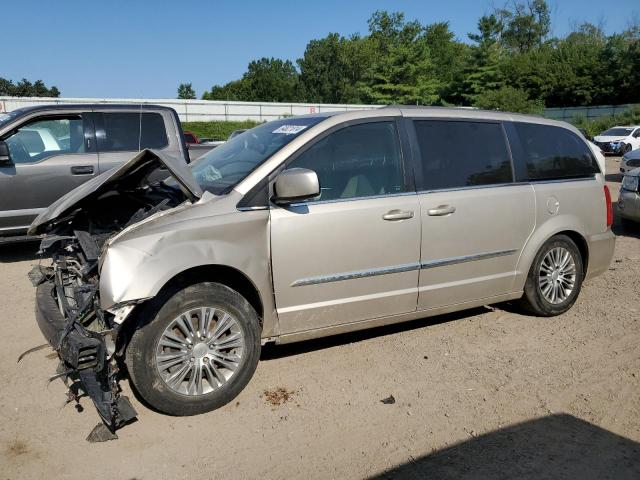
137 268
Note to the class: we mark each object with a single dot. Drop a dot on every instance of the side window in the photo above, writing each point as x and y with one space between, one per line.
358 161
130 132
45 137
636 134
458 154
554 152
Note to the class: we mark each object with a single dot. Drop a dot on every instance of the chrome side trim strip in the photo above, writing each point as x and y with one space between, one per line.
337 277
466 258
408 267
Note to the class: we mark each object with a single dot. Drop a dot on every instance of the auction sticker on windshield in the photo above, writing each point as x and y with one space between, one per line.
289 129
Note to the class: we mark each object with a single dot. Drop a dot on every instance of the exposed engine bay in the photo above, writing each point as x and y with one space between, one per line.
88 340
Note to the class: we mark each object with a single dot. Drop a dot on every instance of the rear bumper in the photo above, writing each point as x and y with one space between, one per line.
601 247
629 205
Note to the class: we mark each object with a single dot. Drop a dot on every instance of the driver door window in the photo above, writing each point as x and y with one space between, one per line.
354 162
44 138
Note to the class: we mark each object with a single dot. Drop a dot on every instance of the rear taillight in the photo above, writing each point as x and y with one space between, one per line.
607 199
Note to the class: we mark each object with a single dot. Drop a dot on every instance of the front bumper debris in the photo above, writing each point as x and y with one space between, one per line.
86 367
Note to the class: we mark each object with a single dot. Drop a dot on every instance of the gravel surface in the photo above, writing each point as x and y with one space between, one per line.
486 393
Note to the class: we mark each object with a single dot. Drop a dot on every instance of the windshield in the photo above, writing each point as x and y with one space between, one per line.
225 166
617 132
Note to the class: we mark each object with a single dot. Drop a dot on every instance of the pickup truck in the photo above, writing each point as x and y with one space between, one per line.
47 151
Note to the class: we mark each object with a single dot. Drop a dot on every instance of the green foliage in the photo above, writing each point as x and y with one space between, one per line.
24 88
186 91
512 63
508 99
402 71
332 66
266 80
598 125
216 130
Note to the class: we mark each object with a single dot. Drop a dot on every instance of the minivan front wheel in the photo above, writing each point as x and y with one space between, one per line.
197 352
555 278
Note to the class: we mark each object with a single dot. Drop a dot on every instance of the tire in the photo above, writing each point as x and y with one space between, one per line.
628 224
535 300
626 149
204 357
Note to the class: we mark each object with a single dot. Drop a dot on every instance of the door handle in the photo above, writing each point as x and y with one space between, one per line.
393 215
441 210
82 170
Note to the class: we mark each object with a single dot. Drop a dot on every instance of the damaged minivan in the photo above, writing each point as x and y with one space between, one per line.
305 227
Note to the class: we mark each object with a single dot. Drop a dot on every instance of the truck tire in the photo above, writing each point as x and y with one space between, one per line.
197 351
555 278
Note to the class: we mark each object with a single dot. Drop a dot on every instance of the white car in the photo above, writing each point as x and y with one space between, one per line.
619 140
630 161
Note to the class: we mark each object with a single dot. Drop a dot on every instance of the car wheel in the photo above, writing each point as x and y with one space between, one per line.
198 350
555 278
626 149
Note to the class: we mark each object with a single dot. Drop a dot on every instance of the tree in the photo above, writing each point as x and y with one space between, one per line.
232 91
332 67
402 71
483 71
186 91
266 80
526 26
451 58
272 80
24 88
511 64
508 99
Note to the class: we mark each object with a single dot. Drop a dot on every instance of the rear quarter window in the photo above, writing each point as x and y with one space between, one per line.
128 131
554 153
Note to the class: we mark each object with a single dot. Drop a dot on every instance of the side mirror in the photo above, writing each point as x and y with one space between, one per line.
295 185
5 154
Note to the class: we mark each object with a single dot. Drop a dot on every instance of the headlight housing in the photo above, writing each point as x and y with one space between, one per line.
630 183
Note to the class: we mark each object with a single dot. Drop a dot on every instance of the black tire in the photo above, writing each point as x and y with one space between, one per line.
533 300
629 225
141 351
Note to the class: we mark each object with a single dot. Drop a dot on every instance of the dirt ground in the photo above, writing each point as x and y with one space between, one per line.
486 393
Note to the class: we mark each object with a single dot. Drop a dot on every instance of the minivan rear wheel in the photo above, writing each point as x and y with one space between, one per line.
197 352
555 278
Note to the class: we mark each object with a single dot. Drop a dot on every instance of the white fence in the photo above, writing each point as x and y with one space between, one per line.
196 110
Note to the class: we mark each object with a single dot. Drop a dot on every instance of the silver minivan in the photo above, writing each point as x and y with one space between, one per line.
306 227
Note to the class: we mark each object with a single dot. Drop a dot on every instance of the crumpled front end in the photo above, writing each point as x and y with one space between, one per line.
77 228
84 336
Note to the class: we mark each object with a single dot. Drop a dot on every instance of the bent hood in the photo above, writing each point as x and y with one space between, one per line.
132 173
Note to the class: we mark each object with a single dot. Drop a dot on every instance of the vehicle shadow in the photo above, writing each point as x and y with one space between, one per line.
272 352
556 446
19 251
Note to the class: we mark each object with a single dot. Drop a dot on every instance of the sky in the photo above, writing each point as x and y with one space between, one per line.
146 48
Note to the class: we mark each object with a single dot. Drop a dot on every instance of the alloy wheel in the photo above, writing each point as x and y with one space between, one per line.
557 276
199 351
